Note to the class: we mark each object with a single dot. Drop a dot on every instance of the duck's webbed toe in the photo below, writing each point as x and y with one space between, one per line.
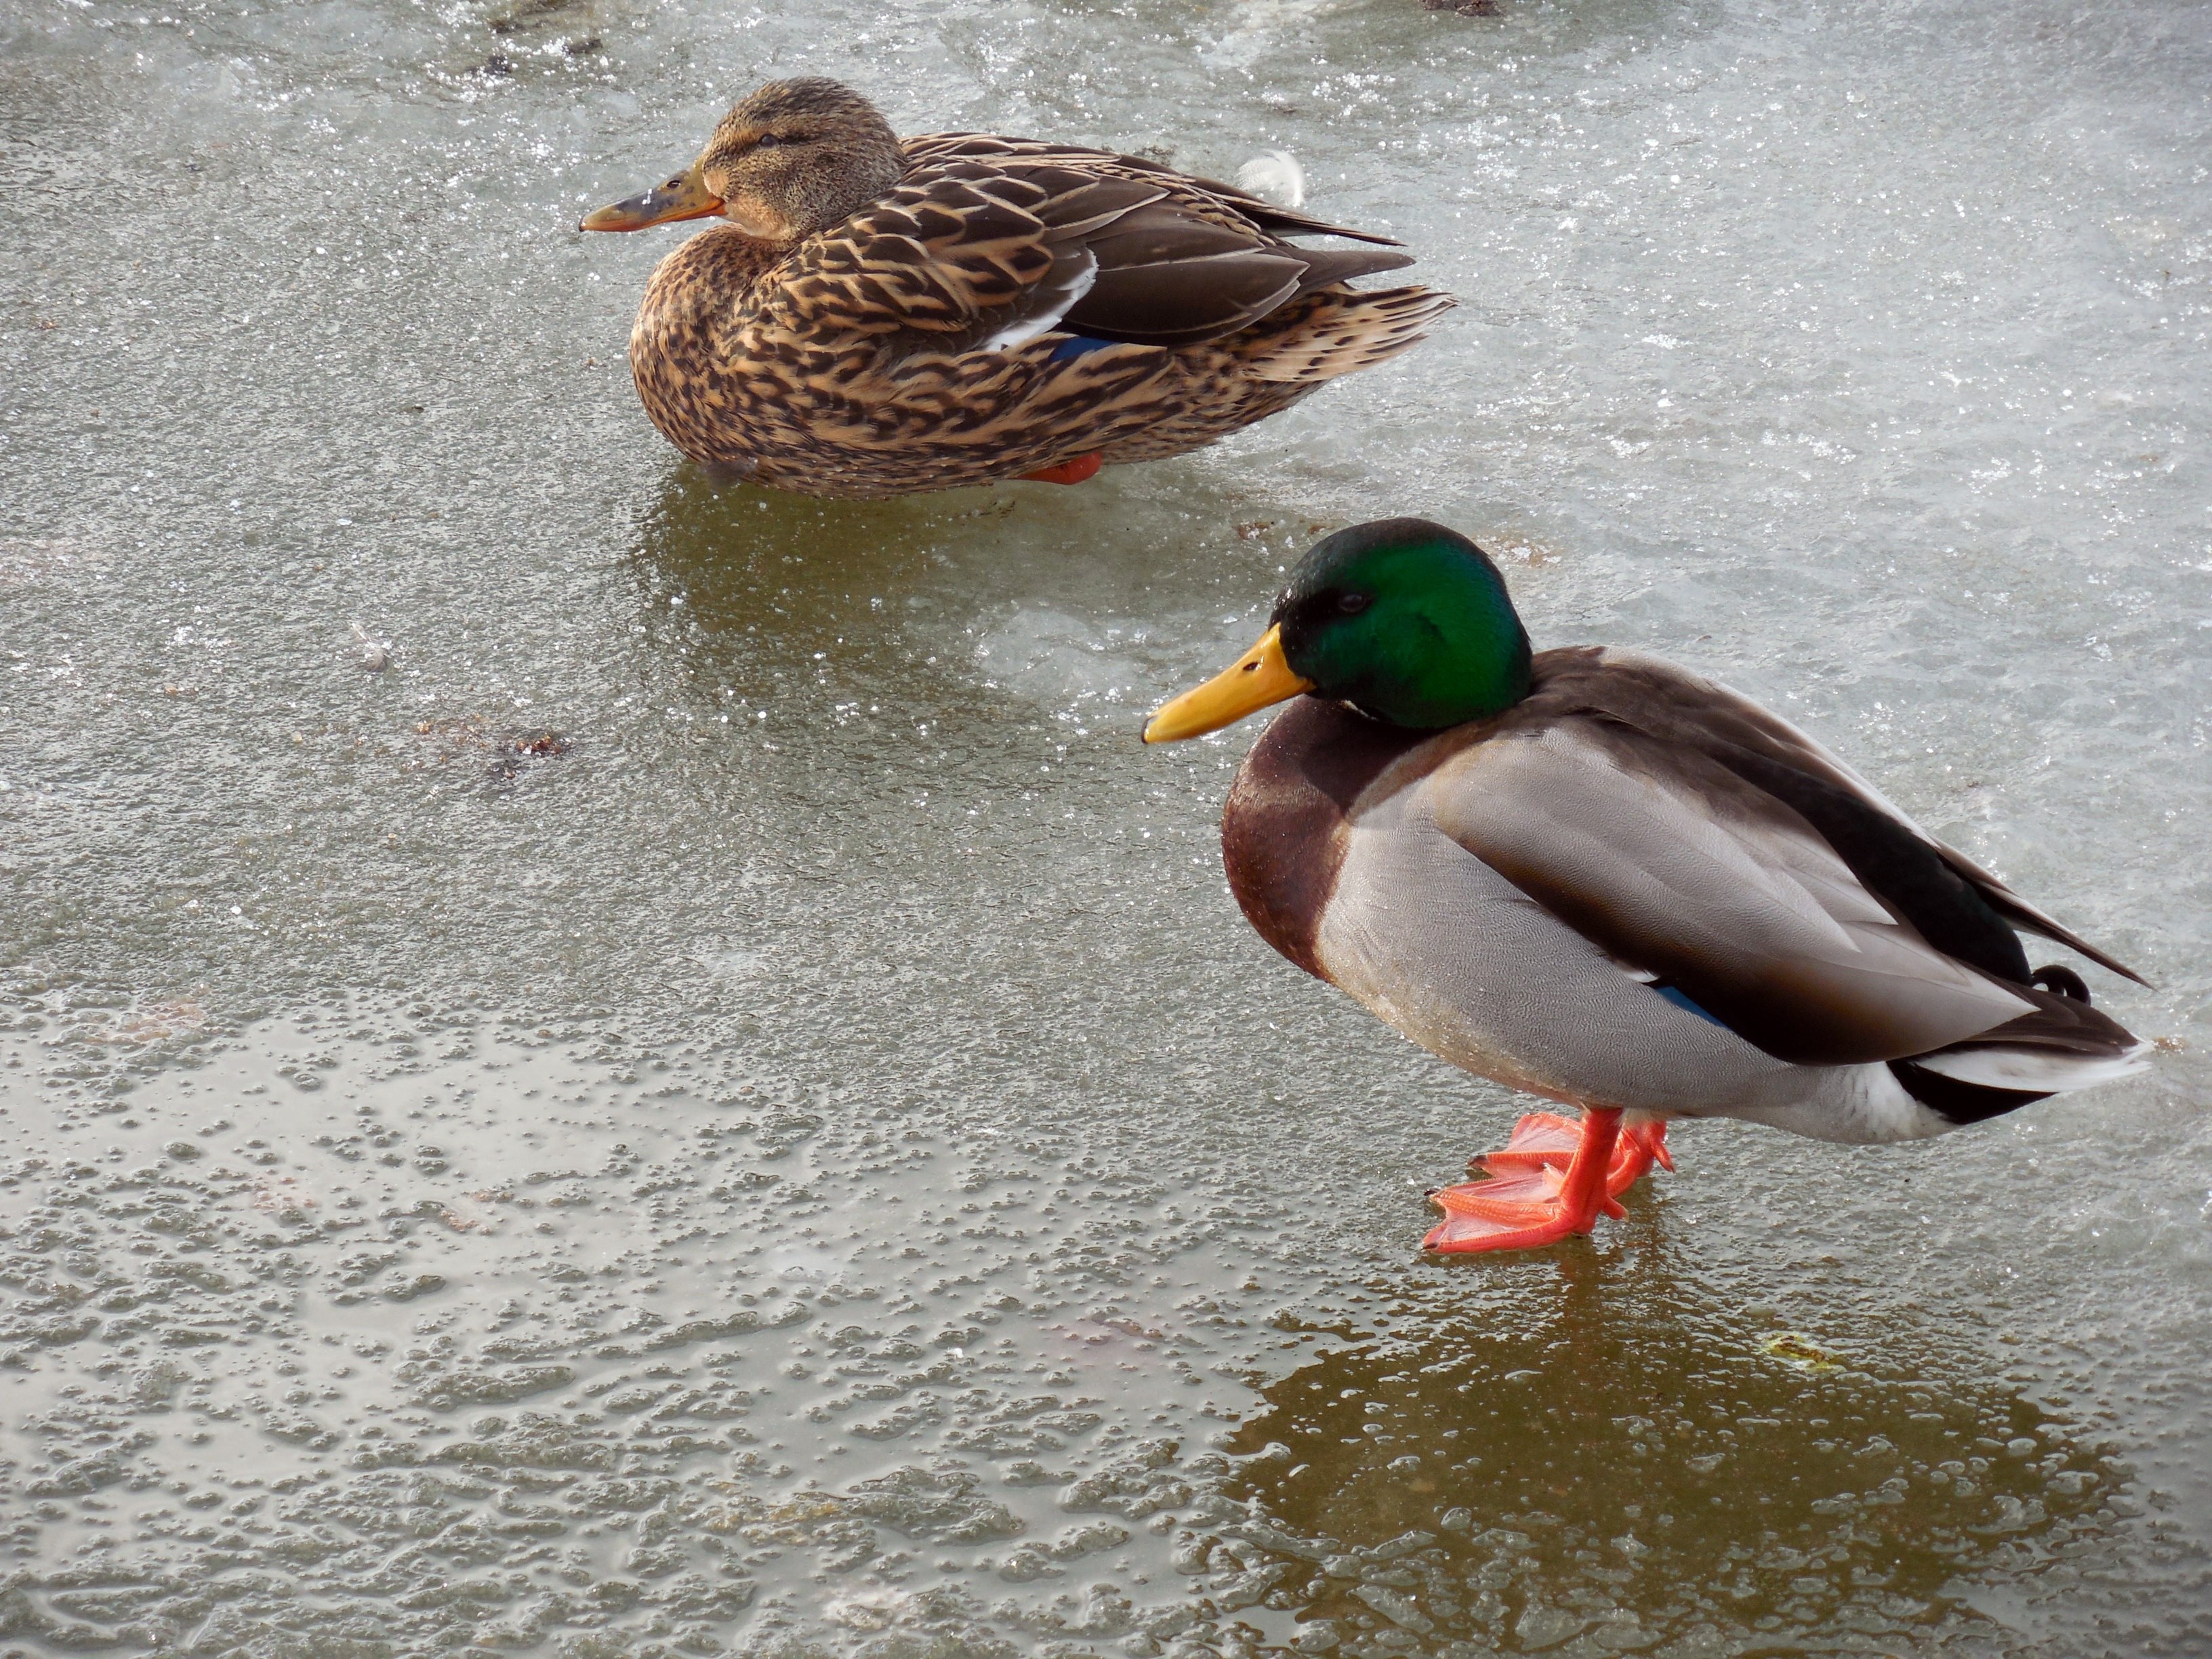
1551 1179
1520 1210
1642 1144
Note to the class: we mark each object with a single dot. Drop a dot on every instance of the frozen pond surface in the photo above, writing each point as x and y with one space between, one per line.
719 1104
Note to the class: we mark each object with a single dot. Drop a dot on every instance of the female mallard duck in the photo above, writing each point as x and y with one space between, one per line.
1593 875
879 317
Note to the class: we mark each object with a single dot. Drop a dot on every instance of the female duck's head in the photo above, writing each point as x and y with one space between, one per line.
1404 620
792 158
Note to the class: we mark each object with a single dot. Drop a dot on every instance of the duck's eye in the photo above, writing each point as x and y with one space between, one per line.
766 141
1351 604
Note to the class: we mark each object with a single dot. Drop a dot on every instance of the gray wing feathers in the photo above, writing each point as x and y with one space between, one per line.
1703 710
1672 866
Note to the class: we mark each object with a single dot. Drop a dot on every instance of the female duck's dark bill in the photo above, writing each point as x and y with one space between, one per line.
683 197
1260 676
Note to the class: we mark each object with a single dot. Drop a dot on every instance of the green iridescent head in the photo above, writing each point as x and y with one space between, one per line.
1408 622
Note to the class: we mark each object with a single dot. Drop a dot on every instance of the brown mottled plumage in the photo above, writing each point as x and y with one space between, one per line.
881 318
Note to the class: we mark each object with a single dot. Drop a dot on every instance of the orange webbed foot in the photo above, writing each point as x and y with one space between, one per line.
1546 1138
1552 1180
1069 472
1642 1146
1519 1211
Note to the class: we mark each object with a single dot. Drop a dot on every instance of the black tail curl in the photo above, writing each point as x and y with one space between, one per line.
2061 982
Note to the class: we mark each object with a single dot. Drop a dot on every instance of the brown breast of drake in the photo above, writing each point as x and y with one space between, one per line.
1282 831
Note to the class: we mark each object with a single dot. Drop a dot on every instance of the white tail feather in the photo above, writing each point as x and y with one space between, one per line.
2035 1071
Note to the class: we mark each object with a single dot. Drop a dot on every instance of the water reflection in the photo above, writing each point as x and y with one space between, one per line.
1182 533
794 573
951 626
1621 1463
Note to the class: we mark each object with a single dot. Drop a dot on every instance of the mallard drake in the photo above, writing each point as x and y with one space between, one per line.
1591 875
879 317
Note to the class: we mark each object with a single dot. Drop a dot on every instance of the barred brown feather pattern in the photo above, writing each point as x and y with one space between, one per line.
916 346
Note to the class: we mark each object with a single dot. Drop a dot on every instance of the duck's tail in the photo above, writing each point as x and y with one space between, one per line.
2064 1045
1335 331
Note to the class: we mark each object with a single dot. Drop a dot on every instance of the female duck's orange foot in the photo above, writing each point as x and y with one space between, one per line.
1074 472
1551 1180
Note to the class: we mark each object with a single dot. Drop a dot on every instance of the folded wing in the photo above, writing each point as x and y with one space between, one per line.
1894 854
1682 870
1268 215
1710 847
985 252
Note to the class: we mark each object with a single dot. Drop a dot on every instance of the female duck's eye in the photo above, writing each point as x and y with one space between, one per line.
1351 604
767 140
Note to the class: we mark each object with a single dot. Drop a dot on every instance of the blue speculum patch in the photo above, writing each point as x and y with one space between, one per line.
1681 999
1075 345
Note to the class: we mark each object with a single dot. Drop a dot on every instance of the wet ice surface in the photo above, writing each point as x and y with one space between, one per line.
718 1103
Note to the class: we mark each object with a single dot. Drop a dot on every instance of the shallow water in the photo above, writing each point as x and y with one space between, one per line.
718 1104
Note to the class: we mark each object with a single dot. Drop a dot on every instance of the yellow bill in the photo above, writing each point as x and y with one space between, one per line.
1257 679
683 197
